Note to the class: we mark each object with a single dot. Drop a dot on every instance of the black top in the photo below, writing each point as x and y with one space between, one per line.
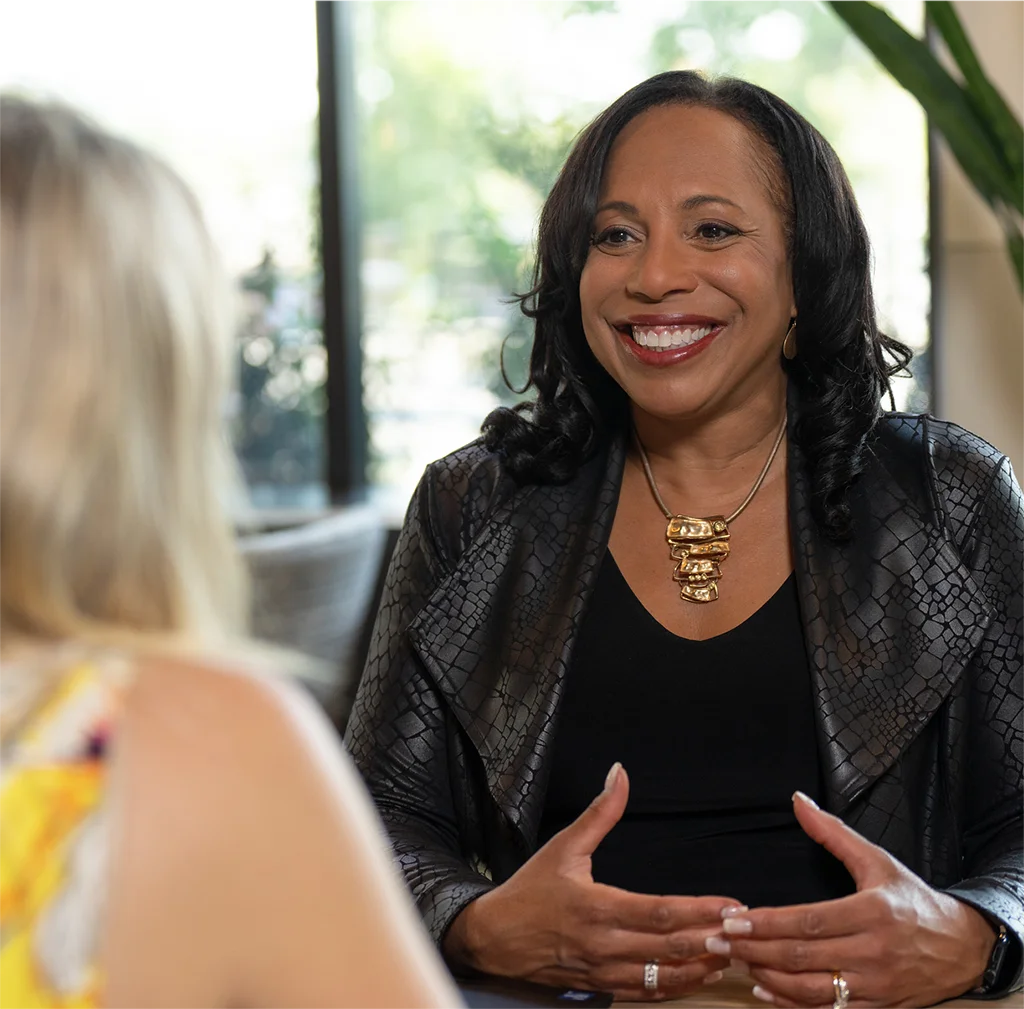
715 735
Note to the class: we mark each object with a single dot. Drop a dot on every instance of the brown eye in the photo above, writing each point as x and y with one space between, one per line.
614 237
715 232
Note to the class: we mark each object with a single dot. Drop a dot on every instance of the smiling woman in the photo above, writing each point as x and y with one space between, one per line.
706 351
694 269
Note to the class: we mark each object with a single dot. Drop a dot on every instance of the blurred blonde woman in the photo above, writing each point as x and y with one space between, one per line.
178 826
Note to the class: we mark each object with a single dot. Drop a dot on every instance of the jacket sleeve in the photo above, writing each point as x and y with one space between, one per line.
398 732
992 852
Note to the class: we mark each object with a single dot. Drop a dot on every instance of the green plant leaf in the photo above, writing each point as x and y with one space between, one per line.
946 103
1015 245
994 112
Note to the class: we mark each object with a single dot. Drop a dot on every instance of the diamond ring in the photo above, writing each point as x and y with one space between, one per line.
840 991
651 975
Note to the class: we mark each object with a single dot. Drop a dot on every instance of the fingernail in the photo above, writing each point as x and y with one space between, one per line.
731 912
762 993
737 926
717 945
806 798
740 966
713 977
613 773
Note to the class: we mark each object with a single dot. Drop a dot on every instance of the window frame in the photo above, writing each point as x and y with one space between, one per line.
346 434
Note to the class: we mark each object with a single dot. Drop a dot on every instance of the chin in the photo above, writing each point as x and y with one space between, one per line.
681 388
668 407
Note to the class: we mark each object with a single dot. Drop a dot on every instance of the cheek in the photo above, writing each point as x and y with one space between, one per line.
751 282
592 290
588 289
598 280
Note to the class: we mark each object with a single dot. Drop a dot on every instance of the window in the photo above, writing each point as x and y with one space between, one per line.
227 93
466 113
462 114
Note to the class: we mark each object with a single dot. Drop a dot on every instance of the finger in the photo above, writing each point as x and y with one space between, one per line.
794 956
638 912
824 920
866 862
810 989
625 980
589 829
675 947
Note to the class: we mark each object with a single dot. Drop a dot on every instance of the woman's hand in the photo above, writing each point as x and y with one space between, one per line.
551 923
896 942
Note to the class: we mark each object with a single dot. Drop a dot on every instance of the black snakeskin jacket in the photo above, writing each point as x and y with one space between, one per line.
913 631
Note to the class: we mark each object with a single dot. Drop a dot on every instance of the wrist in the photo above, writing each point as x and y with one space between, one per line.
462 942
983 935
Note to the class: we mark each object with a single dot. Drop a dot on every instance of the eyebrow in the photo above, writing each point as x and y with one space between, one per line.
699 201
691 203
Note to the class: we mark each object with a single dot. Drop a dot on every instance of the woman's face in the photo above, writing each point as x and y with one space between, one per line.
686 293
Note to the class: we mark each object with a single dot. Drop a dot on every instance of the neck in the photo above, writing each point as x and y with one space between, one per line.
709 464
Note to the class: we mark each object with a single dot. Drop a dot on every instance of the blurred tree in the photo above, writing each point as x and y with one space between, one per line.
282 367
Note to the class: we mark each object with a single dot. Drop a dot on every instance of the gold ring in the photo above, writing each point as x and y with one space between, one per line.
840 991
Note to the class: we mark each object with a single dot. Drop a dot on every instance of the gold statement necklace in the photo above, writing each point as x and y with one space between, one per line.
699 546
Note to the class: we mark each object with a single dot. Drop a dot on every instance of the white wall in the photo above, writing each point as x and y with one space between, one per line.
979 329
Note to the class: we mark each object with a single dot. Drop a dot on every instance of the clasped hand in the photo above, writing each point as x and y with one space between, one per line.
896 941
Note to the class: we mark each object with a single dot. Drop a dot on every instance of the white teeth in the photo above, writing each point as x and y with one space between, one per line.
668 338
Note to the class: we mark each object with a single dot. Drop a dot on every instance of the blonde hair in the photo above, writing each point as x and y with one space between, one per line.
115 343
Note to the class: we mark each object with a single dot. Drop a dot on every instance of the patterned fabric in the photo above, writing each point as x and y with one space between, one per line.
53 836
913 631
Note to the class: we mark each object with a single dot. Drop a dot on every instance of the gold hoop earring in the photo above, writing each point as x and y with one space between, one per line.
789 343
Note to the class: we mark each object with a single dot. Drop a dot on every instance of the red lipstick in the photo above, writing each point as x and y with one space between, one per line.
663 358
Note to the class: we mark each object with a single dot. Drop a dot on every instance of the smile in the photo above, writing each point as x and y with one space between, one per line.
668 337
661 341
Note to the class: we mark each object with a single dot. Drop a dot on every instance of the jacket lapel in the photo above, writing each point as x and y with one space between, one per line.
497 633
891 618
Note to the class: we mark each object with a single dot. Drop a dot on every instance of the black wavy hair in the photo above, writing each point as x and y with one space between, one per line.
844 363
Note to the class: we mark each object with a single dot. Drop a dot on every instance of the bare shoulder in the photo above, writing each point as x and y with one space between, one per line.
189 783
190 714
244 841
209 758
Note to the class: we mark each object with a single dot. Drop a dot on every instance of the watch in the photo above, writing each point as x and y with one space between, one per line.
995 962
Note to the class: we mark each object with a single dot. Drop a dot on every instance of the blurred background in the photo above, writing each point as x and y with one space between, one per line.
373 172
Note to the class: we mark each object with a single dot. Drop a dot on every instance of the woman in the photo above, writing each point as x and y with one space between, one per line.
177 826
704 553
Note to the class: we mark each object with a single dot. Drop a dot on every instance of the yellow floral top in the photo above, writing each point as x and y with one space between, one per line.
53 830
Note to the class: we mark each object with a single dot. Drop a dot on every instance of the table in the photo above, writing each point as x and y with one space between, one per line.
734 991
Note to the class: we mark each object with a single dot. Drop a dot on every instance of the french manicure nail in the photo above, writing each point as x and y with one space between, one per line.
806 798
762 993
737 926
714 977
717 945
731 912
740 966
613 773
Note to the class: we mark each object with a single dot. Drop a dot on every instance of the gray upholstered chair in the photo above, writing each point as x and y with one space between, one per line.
313 585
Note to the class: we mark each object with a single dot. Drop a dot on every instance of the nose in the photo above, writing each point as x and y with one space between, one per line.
664 266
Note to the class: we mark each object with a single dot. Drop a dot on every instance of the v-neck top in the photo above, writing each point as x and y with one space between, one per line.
715 736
